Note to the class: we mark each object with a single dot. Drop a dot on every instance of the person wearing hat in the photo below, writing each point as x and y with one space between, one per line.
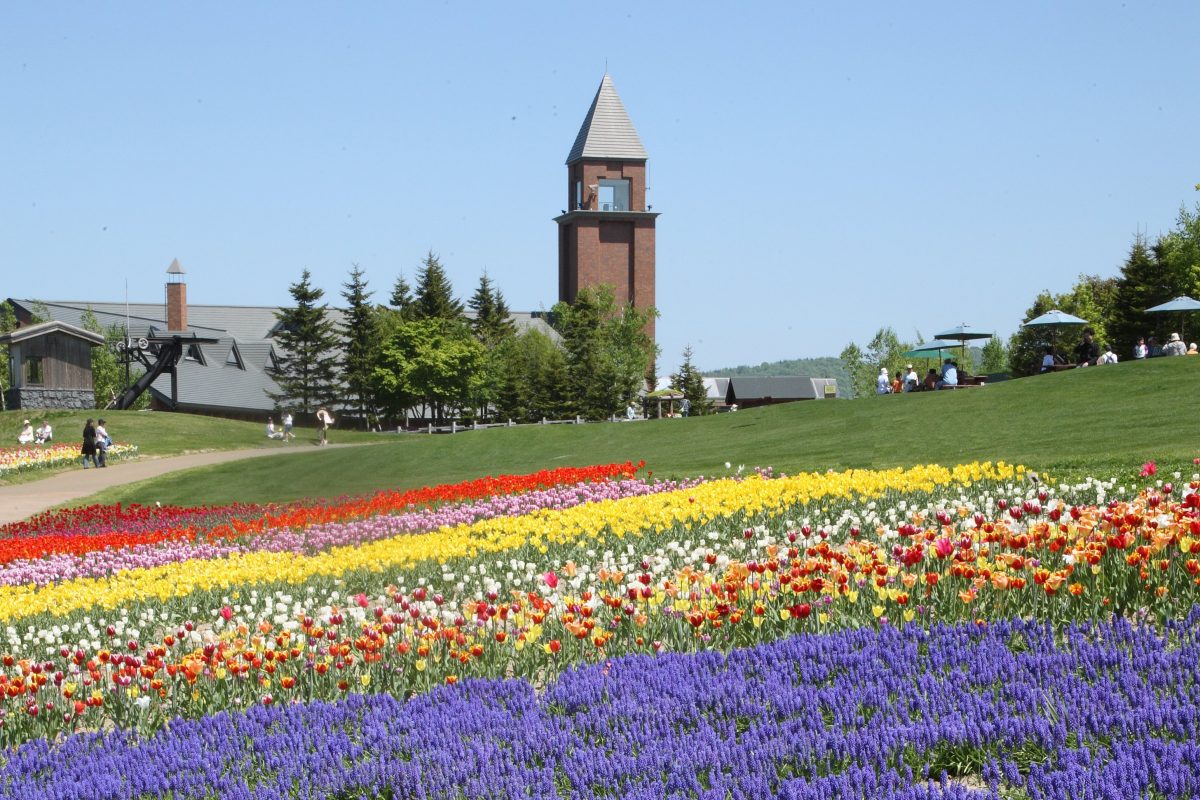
911 381
26 434
882 384
1174 346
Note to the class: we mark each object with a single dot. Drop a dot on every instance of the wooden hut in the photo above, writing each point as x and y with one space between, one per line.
50 366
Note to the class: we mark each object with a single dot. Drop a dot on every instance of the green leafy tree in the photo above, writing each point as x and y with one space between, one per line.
533 377
430 362
608 351
690 382
108 369
434 296
884 350
306 363
360 351
8 323
994 356
861 378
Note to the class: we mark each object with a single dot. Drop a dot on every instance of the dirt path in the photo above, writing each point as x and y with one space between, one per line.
23 500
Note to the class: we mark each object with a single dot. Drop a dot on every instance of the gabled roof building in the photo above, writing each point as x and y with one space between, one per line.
225 371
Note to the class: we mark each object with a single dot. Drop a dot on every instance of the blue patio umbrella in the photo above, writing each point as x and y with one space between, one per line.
1182 304
931 350
1054 318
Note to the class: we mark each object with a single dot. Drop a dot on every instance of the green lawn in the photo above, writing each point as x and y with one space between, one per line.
1102 418
156 433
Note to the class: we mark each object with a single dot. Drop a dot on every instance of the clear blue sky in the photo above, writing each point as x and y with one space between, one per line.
822 169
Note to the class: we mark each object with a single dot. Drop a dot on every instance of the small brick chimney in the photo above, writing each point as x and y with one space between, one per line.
176 298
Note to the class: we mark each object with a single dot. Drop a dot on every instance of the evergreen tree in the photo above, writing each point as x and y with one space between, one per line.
434 297
492 322
608 351
402 299
533 374
360 334
306 364
690 382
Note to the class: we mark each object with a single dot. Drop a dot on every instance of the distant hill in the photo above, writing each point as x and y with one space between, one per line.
829 367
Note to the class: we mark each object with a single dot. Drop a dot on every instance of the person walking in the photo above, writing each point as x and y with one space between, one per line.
685 406
325 420
287 427
89 444
103 442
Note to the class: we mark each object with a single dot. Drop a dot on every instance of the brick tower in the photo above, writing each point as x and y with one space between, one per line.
607 233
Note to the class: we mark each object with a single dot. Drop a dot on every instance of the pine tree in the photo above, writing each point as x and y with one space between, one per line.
360 333
690 382
492 322
1145 282
306 363
402 299
434 298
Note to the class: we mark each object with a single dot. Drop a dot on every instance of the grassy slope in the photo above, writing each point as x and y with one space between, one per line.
1098 417
158 434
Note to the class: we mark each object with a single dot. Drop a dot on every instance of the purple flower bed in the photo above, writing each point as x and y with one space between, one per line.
315 538
1010 710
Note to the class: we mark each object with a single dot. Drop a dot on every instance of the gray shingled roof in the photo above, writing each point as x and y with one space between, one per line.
776 388
215 385
607 131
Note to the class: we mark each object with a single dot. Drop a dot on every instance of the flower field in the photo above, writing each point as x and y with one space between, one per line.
27 458
595 632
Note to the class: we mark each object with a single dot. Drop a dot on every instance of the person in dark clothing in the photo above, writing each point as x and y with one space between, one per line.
89 444
1088 351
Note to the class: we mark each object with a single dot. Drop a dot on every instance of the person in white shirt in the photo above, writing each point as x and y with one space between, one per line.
44 433
1140 350
26 434
911 381
1108 356
1048 359
271 432
102 444
882 384
287 428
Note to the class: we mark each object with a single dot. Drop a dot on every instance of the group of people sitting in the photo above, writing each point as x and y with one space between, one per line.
908 381
1088 353
1150 348
284 433
28 435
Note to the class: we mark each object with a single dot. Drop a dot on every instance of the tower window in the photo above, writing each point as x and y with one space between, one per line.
613 195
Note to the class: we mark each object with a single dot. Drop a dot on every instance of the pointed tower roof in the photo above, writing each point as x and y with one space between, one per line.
607 131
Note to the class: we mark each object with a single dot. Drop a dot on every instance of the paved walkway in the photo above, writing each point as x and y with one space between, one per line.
23 500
